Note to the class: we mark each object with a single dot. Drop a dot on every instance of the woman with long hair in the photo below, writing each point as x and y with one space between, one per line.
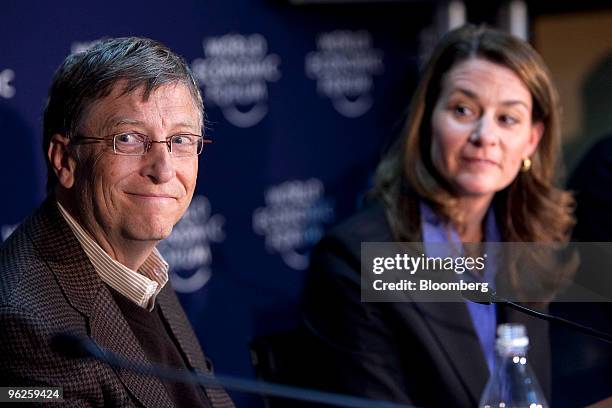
477 162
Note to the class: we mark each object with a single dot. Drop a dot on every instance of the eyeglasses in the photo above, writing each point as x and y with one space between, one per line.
137 144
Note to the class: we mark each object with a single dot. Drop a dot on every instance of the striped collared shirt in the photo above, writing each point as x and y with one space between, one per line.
141 287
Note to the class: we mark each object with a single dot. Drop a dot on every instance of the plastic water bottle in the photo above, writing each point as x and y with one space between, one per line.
512 384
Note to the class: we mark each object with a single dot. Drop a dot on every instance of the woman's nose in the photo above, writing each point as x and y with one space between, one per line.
485 132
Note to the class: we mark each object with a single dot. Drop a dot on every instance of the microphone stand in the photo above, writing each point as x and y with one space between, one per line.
75 347
487 299
555 319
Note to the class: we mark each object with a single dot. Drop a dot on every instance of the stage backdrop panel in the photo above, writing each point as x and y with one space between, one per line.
300 101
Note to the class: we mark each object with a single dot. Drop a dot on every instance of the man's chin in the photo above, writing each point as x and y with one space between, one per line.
151 233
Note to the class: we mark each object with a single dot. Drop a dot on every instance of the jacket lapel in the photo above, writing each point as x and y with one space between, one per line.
188 342
456 339
449 323
110 330
86 292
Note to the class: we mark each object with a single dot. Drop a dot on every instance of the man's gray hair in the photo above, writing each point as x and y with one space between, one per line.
88 76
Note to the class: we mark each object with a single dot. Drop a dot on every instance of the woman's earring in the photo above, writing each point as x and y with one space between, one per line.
526 165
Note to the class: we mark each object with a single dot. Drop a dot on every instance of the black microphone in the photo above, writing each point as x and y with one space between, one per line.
486 298
76 347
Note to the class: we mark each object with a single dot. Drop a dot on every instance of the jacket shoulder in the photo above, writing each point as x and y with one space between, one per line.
17 260
367 225
343 241
26 280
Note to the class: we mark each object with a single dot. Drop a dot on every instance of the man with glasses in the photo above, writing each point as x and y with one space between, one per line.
122 134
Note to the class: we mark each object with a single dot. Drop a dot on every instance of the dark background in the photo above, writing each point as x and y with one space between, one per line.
268 188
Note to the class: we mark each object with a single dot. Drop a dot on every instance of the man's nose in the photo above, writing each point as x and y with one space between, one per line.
159 165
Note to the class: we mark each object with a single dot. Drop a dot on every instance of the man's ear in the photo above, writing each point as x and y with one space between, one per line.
61 159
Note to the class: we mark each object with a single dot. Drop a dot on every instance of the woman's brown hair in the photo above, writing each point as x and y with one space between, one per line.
531 208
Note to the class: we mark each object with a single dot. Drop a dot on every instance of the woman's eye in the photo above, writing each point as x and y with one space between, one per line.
462 110
508 120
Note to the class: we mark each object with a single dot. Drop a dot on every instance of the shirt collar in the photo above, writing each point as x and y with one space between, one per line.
141 286
436 231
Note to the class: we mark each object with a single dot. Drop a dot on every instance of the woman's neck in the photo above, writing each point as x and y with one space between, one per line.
471 211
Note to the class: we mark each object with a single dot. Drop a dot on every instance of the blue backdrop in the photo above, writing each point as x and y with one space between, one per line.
300 102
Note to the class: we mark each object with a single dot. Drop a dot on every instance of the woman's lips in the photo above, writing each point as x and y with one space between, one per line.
477 161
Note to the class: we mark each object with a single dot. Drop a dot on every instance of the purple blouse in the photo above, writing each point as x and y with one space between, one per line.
483 316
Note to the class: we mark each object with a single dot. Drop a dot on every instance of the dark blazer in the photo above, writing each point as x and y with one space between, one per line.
421 353
49 286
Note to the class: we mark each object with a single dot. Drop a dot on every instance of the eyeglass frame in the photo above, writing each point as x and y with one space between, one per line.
148 142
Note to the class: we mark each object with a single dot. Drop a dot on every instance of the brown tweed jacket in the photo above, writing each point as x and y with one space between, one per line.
48 286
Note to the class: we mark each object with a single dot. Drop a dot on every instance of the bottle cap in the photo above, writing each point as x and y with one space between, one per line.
512 335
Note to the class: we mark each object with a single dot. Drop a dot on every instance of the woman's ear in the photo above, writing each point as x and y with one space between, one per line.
61 159
535 135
